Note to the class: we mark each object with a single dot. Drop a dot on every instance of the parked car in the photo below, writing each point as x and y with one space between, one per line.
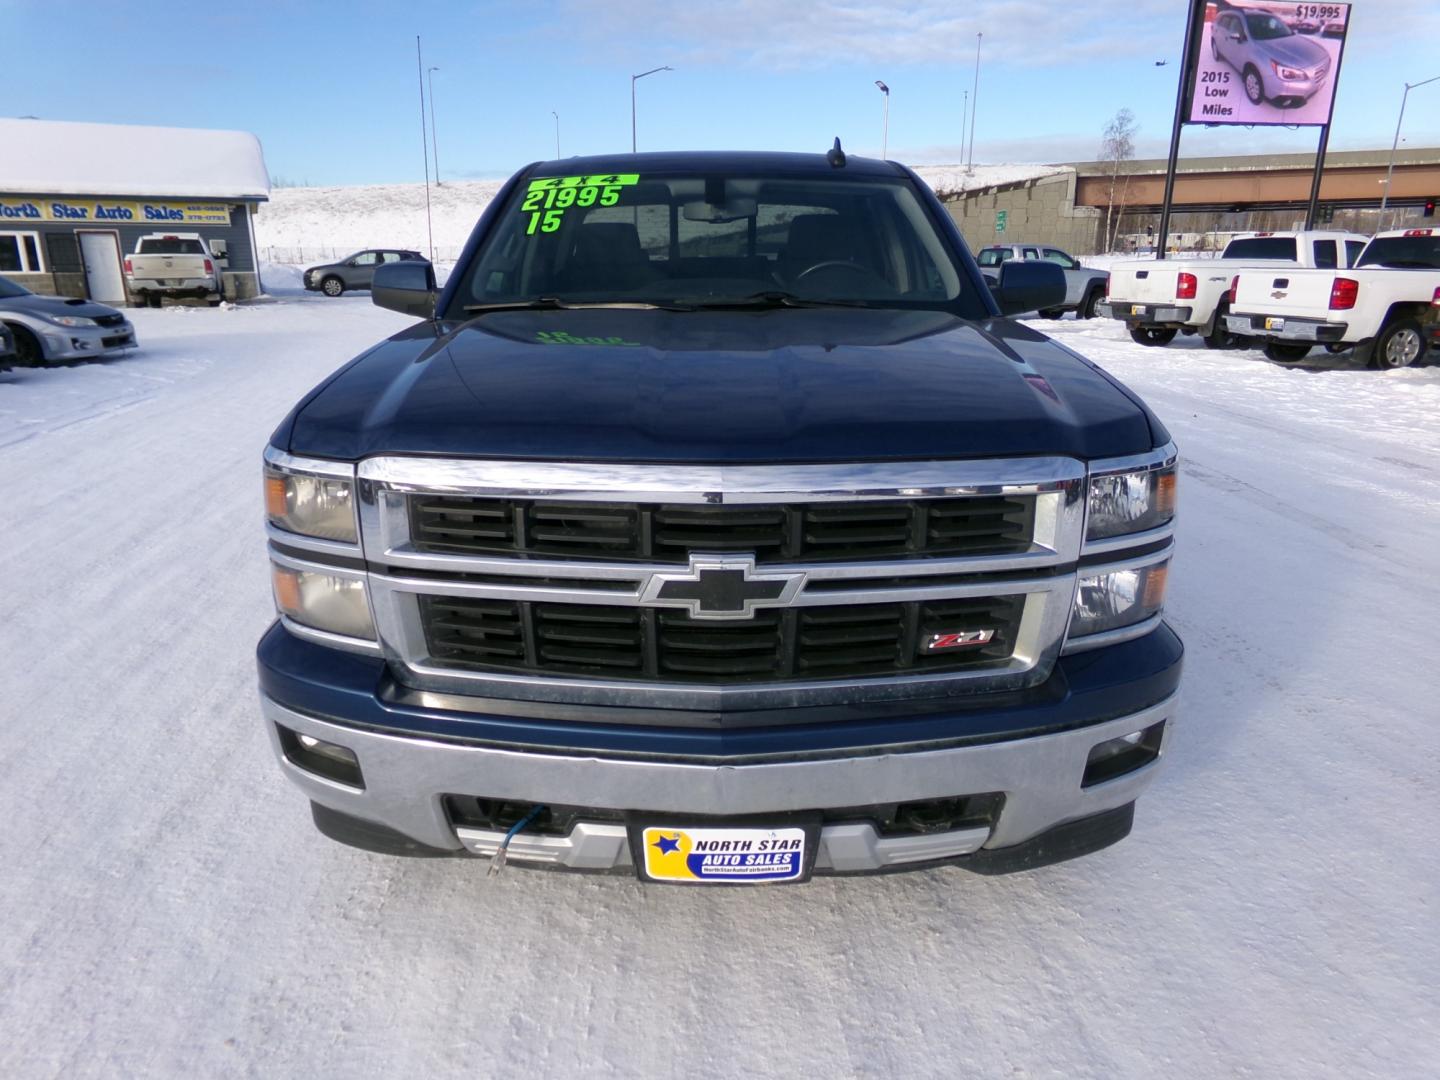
1333 30
7 348
724 562
1275 63
1084 288
49 329
355 271
174 265
1305 26
1159 298
1387 307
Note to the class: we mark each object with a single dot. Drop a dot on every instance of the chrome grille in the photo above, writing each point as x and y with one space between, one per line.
920 528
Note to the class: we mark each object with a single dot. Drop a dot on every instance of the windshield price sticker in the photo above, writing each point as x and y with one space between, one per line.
546 200
722 855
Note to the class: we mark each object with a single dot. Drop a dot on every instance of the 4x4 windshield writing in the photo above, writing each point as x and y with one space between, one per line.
716 239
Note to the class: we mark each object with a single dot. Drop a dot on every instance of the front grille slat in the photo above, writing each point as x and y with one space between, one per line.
822 642
668 533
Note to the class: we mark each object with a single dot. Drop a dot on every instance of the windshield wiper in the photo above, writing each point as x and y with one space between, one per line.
777 298
554 303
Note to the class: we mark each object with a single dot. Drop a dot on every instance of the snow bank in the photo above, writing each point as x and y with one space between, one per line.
61 157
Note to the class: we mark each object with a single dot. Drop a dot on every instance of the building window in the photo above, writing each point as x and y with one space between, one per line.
20 253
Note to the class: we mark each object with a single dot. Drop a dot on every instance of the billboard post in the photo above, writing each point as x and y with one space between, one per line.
1193 20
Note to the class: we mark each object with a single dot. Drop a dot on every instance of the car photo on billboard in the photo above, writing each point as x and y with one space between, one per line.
1268 63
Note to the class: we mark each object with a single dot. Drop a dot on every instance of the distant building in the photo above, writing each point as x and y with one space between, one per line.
76 197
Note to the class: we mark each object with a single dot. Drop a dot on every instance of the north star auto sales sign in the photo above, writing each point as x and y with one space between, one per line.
20 209
1264 62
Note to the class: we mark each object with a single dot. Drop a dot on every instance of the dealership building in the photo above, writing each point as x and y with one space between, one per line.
75 198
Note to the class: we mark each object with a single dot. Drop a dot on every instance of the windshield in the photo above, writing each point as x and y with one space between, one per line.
714 239
1261 247
9 289
1267 27
993 256
1403 252
170 245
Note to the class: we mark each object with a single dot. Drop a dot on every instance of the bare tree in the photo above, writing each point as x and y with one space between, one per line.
1117 146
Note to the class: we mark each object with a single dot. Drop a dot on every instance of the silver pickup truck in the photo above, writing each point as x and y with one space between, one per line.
1084 287
175 265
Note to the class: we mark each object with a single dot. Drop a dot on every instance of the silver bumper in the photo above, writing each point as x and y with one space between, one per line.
1144 314
406 779
82 342
1292 330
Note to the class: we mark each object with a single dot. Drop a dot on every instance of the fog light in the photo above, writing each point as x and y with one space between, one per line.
327 759
1116 757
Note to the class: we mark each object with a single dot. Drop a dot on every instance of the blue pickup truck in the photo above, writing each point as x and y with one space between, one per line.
714 525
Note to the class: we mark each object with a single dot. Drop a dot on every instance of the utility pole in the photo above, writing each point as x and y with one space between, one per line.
964 116
424 148
434 142
557 133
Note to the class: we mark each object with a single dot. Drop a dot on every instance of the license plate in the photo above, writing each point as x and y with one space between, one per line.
1137 309
1274 324
752 854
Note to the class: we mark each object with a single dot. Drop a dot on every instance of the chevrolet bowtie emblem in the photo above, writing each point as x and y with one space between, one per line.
1279 294
721 587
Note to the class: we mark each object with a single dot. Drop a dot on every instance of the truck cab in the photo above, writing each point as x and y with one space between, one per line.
713 525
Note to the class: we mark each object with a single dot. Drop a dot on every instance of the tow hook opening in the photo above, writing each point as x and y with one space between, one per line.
1116 757
327 759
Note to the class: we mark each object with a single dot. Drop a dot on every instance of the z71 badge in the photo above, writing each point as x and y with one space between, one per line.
724 856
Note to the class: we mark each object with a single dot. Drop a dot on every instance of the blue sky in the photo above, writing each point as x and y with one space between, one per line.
331 89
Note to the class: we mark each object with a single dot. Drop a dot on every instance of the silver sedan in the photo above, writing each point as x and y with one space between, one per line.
51 329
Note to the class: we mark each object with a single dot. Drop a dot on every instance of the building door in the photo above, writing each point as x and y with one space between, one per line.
104 281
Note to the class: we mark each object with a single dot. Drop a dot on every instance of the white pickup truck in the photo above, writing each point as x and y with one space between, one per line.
174 265
1160 298
1387 307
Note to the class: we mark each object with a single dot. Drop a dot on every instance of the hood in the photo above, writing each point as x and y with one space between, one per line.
793 385
56 305
1297 51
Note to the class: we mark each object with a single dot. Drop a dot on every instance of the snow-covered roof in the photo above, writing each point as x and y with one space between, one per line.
61 157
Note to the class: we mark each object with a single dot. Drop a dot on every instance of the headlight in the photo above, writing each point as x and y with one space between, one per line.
71 320
329 602
1288 74
318 506
1118 598
1130 502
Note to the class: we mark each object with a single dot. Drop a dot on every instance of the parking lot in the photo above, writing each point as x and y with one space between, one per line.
169 910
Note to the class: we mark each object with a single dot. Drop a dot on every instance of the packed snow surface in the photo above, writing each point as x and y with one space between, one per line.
167 910
39 157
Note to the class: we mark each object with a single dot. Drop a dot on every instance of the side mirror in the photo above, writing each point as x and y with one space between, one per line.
406 287
1029 286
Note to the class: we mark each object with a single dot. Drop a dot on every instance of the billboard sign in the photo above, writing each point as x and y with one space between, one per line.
1263 62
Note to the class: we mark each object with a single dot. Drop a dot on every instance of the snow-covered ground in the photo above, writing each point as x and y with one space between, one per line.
167 910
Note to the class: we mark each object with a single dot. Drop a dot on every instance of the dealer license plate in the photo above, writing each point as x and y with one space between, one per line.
1274 324
1137 309
724 855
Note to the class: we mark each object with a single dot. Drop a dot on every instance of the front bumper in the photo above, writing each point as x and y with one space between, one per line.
1032 750
87 342
1313 331
1145 314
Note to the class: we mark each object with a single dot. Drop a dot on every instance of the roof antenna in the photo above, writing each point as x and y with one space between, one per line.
835 156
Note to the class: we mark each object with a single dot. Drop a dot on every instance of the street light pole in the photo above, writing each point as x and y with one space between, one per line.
633 80
975 97
1390 172
434 142
885 139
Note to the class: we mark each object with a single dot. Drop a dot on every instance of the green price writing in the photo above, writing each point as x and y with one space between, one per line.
547 199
